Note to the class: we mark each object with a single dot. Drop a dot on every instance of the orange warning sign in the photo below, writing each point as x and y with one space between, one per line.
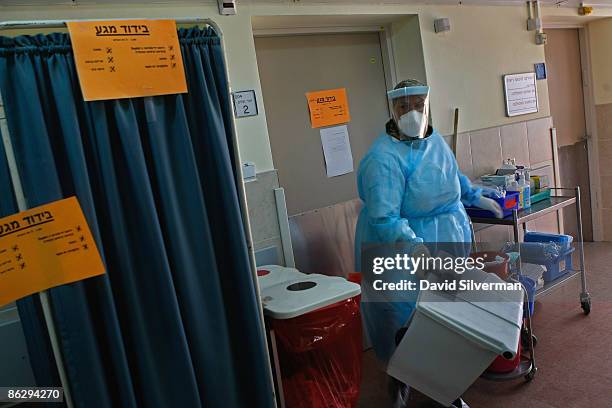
44 247
127 58
328 108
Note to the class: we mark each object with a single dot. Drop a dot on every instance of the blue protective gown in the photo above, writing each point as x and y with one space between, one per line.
412 191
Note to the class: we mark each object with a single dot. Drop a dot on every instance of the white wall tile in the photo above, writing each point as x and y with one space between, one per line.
546 170
605 158
485 146
514 142
262 208
449 140
464 155
496 234
548 223
538 135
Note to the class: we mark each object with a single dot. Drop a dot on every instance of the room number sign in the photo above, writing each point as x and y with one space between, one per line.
245 104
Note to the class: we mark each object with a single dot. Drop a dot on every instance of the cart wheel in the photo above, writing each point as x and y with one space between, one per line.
531 374
586 306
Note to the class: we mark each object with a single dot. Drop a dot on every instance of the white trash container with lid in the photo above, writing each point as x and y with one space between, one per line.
452 339
305 294
270 275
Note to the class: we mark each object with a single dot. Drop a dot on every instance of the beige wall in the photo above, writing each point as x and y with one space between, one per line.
565 85
604 145
599 25
600 38
408 49
464 67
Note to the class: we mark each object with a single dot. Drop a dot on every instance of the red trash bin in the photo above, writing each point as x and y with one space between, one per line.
319 344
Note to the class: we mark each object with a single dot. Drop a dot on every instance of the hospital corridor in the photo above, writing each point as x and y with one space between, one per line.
306 203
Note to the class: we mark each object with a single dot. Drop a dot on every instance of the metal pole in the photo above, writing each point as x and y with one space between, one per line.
474 244
515 225
584 296
529 332
44 296
283 222
25 25
455 132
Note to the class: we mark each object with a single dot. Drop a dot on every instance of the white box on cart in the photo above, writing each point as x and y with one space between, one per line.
453 338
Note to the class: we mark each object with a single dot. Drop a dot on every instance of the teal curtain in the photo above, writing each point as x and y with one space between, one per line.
175 321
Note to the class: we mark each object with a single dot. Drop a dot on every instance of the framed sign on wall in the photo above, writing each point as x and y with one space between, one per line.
521 94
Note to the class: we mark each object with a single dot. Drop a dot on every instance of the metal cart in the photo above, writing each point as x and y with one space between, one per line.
556 202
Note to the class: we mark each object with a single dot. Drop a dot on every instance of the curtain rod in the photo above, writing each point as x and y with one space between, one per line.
10 25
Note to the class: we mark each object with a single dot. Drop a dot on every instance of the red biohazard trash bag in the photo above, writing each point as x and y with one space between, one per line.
320 356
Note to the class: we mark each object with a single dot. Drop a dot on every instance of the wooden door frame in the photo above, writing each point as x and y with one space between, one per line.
590 117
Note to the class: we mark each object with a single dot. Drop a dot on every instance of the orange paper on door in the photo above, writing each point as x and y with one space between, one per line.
328 108
127 58
44 247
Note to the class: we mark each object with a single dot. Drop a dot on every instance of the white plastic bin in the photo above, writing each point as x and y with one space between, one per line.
270 275
304 294
451 340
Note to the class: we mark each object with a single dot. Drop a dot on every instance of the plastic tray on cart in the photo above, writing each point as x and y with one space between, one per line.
540 196
508 203
554 267
563 240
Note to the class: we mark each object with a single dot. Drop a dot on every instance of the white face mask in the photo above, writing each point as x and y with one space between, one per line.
413 124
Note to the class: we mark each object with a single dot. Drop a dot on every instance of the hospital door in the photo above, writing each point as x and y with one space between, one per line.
291 66
565 90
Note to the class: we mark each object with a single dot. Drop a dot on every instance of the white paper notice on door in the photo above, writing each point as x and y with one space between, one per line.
337 150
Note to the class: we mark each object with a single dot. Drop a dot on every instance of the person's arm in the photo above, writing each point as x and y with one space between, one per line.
472 196
383 185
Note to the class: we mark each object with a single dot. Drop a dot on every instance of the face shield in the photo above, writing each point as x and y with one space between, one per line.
411 110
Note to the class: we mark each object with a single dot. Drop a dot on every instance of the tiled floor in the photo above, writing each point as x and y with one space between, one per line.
574 352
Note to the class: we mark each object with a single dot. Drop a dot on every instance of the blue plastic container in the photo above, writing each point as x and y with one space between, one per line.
508 203
559 266
555 266
564 241
530 286
539 252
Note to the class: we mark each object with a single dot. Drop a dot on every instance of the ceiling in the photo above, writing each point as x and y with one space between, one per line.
545 3
559 3
275 22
